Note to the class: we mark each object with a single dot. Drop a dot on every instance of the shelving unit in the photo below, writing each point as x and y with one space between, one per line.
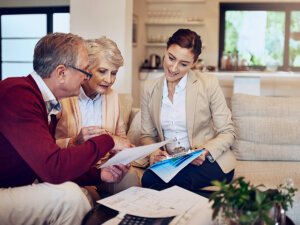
157 44
175 1
172 23
164 17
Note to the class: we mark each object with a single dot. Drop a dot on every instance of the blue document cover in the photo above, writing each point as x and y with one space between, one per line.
168 168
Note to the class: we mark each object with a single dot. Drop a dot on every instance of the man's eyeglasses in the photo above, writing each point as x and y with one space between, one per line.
89 75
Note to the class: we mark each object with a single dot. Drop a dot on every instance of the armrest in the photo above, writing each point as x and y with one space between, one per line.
133 113
134 127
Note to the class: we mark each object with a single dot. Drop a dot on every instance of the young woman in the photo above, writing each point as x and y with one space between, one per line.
191 107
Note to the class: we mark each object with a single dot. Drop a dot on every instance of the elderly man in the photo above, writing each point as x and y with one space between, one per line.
34 171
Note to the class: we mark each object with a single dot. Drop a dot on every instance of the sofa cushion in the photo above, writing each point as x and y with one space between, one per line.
126 102
134 132
269 173
268 128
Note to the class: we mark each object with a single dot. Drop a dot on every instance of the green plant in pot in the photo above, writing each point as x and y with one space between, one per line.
243 203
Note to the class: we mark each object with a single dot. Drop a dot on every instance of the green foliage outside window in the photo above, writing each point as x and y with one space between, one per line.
243 29
294 43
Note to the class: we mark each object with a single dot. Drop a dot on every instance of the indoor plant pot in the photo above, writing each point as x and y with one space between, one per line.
241 203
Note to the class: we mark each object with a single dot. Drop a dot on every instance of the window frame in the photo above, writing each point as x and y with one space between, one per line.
49 11
285 7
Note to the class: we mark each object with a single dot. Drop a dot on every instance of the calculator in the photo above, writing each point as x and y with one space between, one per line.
138 220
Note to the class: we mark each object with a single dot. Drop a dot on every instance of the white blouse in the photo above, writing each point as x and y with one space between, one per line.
173 115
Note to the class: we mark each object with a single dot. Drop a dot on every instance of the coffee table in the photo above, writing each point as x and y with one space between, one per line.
100 214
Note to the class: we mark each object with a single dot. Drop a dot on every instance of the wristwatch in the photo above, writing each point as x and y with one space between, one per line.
209 157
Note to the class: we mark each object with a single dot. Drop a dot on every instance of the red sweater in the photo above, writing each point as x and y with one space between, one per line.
27 148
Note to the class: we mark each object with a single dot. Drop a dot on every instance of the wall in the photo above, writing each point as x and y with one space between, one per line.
112 19
138 51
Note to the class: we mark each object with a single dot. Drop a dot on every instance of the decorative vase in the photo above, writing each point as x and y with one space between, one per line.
279 215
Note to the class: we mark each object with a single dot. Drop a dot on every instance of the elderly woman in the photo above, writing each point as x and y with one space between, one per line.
96 110
192 108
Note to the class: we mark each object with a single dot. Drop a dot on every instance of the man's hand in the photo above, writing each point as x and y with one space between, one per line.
120 144
114 174
88 132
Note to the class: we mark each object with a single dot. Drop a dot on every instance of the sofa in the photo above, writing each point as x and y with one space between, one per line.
267 145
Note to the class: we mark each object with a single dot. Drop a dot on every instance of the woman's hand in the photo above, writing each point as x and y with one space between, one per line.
158 156
200 159
113 174
88 132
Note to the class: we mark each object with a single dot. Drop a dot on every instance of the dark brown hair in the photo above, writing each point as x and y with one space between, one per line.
187 38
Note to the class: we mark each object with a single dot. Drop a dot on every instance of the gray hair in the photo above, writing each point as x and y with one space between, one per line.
105 47
56 49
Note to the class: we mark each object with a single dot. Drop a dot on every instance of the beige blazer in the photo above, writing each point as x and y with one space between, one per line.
209 123
70 121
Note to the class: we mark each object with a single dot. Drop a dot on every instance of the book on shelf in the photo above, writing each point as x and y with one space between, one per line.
168 168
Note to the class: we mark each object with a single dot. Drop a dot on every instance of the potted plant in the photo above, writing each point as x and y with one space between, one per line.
240 202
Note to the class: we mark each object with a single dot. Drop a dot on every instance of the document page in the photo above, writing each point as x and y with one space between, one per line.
146 202
167 169
131 154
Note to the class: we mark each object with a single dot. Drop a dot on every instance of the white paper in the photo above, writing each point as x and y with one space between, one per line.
128 155
146 202
139 202
199 214
167 169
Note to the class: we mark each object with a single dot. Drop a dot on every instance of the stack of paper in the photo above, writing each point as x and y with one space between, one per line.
151 203
187 207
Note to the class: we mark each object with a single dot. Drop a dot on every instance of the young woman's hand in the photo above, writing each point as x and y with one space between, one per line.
200 159
158 156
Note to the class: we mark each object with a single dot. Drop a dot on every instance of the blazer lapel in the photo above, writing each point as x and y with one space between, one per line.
191 99
157 98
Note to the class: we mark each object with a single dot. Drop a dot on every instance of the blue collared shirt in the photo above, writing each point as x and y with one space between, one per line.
53 106
91 109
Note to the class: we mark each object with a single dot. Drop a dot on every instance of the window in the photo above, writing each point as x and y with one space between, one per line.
21 28
264 35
